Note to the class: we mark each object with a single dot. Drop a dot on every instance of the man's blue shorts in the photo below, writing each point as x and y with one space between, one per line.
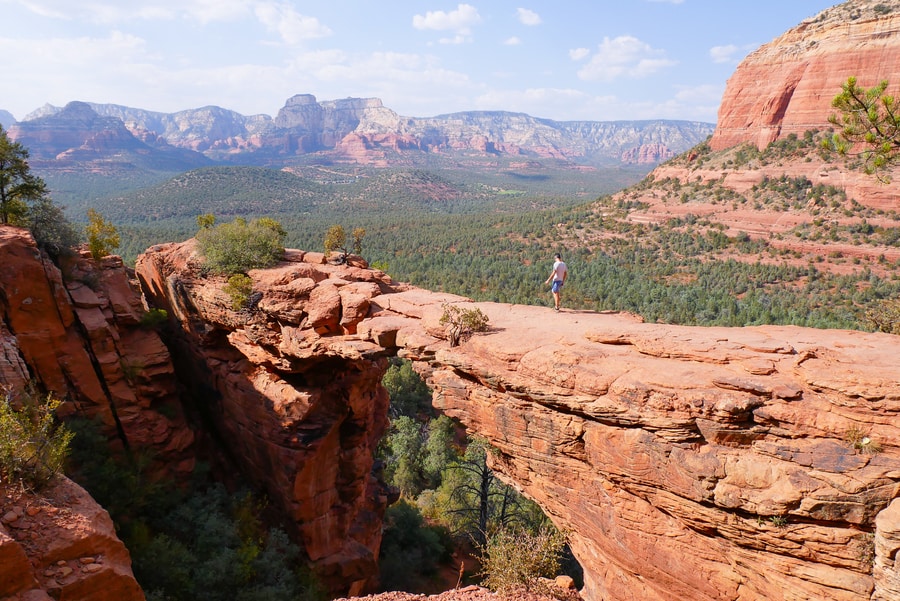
557 284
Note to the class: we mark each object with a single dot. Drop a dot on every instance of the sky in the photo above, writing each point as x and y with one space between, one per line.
596 60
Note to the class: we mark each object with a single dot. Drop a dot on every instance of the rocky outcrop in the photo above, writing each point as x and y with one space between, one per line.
61 545
786 86
78 334
687 463
294 393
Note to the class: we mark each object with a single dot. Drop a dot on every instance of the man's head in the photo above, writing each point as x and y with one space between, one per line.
558 257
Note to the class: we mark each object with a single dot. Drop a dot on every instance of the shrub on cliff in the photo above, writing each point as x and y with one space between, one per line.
51 229
33 446
336 239
239 288
103 237
884 316
462 323
516 558
240 246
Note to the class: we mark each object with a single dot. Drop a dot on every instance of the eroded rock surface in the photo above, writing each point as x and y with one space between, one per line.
786 86
80 336
295 395
686 462
59 544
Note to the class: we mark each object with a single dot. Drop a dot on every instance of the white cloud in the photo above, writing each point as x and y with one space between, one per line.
457 39
376 70
577 54
459 21
730 53
723 54
42 10
209 11
624 56
528 17
513 41
113 13
293 27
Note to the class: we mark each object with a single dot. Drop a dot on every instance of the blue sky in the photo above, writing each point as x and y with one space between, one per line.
598 60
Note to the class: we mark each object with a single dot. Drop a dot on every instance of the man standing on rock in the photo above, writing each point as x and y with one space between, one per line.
558 276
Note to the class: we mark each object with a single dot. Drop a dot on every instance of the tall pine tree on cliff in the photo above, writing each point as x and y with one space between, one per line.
25 201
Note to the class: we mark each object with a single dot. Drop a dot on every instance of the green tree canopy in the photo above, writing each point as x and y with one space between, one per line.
103 237
869 117
239 246
336 239
409 393
18 186
25 202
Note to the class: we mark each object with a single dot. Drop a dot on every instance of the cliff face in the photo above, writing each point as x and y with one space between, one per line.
352 130
692 463
687 463
300 405
79 335
786 86
61 545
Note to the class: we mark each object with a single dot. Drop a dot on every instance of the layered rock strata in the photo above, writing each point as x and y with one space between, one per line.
787 85
79 333
293 394
686 462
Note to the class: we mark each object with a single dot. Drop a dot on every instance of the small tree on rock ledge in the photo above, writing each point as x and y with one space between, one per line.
336 239
462 323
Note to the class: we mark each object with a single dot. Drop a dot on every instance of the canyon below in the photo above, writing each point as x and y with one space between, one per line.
685 463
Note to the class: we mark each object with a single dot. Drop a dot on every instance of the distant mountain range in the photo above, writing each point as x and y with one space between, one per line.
361 131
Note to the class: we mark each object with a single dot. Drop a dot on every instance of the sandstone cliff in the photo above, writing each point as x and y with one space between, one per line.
351 130
687 463
772 120
61 545
786 86
78 334
300 404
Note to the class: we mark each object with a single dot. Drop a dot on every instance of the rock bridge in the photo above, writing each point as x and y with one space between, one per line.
686 463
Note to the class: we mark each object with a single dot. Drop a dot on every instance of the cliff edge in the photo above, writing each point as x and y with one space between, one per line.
686 462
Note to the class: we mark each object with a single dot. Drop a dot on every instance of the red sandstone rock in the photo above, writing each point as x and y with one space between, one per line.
85 345
786 86
76 555
688 463
300 403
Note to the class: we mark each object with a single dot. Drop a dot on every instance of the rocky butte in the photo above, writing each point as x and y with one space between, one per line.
786 86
